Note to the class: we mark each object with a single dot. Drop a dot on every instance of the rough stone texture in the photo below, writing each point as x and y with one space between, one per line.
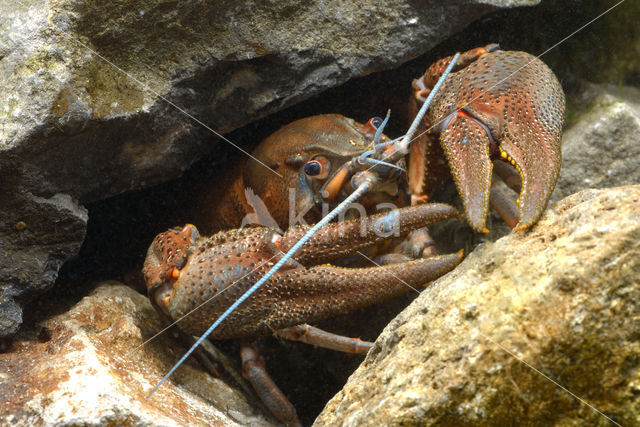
563 297
101 97
37 235
85 368
602 147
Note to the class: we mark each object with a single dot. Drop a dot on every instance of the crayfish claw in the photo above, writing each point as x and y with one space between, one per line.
498 105
466 147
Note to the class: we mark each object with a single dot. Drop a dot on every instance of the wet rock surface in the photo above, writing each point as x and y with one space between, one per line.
89 366
562 298
97 99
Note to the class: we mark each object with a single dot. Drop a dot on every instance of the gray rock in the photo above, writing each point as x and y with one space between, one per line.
90 366
97 98
602 147
37 235
482 345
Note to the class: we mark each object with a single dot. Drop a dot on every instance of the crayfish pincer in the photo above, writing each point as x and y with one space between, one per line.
195 279
183 269
497 106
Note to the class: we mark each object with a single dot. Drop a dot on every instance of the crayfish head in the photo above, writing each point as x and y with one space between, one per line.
168 254
312 156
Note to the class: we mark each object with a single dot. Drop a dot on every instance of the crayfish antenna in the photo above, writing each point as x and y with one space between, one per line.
423 110
366 185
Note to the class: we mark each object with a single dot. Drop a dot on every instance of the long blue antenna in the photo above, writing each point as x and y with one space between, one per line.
363 188
423 110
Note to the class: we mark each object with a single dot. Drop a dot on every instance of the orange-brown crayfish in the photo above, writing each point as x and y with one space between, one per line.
495 106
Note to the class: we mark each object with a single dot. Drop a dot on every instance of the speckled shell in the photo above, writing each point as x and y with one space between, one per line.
519 100
222 267
223 203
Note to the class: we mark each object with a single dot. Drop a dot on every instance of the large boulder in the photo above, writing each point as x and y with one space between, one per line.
537 328
97 98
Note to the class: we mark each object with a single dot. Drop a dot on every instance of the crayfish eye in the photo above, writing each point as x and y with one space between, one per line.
317 168
313 168
376 122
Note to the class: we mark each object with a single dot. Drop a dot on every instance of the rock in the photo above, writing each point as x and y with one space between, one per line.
608 51
37 235
90 366
602 147
487 343
97 99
